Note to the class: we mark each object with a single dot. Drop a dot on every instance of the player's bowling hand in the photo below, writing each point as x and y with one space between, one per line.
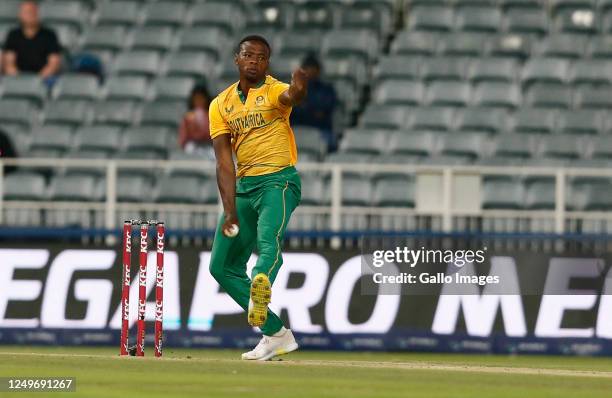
230 224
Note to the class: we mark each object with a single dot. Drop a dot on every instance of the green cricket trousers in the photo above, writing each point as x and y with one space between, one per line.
263 205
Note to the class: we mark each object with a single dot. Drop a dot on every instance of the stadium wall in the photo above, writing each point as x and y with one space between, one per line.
62 293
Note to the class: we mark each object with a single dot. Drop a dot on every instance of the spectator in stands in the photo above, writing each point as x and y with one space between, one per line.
194 132
7 150
317 109
31 47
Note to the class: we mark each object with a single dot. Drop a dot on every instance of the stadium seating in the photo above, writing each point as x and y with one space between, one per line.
118 13
8 10
480 119
147 139
74 188
504 82
395 192
154 38
165 13
308 139
190 64
166 114
114 113
52 138
209 40
25 186
28 87
226 16
138 63
99 138
181 190
514 146
172 88
134 88
110 38
581 122
503 195
70 113
71 13
78 87
421 144
493 70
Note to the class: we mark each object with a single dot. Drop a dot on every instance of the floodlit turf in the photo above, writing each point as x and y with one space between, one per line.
100 372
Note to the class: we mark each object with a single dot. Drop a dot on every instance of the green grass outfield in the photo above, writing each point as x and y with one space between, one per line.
100 372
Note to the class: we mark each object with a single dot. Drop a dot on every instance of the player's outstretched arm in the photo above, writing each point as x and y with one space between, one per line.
297 90
226 179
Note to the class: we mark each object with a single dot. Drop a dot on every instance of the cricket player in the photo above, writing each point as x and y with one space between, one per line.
251 119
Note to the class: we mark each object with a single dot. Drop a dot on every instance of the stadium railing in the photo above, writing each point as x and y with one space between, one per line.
452 195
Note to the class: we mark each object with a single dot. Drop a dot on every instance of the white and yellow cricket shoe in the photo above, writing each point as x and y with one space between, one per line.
261 294
269 347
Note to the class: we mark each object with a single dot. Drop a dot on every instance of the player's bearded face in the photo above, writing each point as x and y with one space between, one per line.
252 61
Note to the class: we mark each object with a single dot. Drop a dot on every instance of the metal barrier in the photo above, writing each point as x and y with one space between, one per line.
444 219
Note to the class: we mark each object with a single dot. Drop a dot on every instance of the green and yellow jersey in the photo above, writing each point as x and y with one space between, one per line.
259 126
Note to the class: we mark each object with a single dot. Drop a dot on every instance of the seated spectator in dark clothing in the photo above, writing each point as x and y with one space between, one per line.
194 131
31 48
317 109
7 150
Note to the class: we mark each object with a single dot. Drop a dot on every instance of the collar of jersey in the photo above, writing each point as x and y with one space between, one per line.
241 94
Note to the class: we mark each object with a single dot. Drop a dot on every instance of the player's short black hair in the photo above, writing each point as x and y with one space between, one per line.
257 38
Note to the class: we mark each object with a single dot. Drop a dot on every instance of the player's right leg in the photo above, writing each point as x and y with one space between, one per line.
230 255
